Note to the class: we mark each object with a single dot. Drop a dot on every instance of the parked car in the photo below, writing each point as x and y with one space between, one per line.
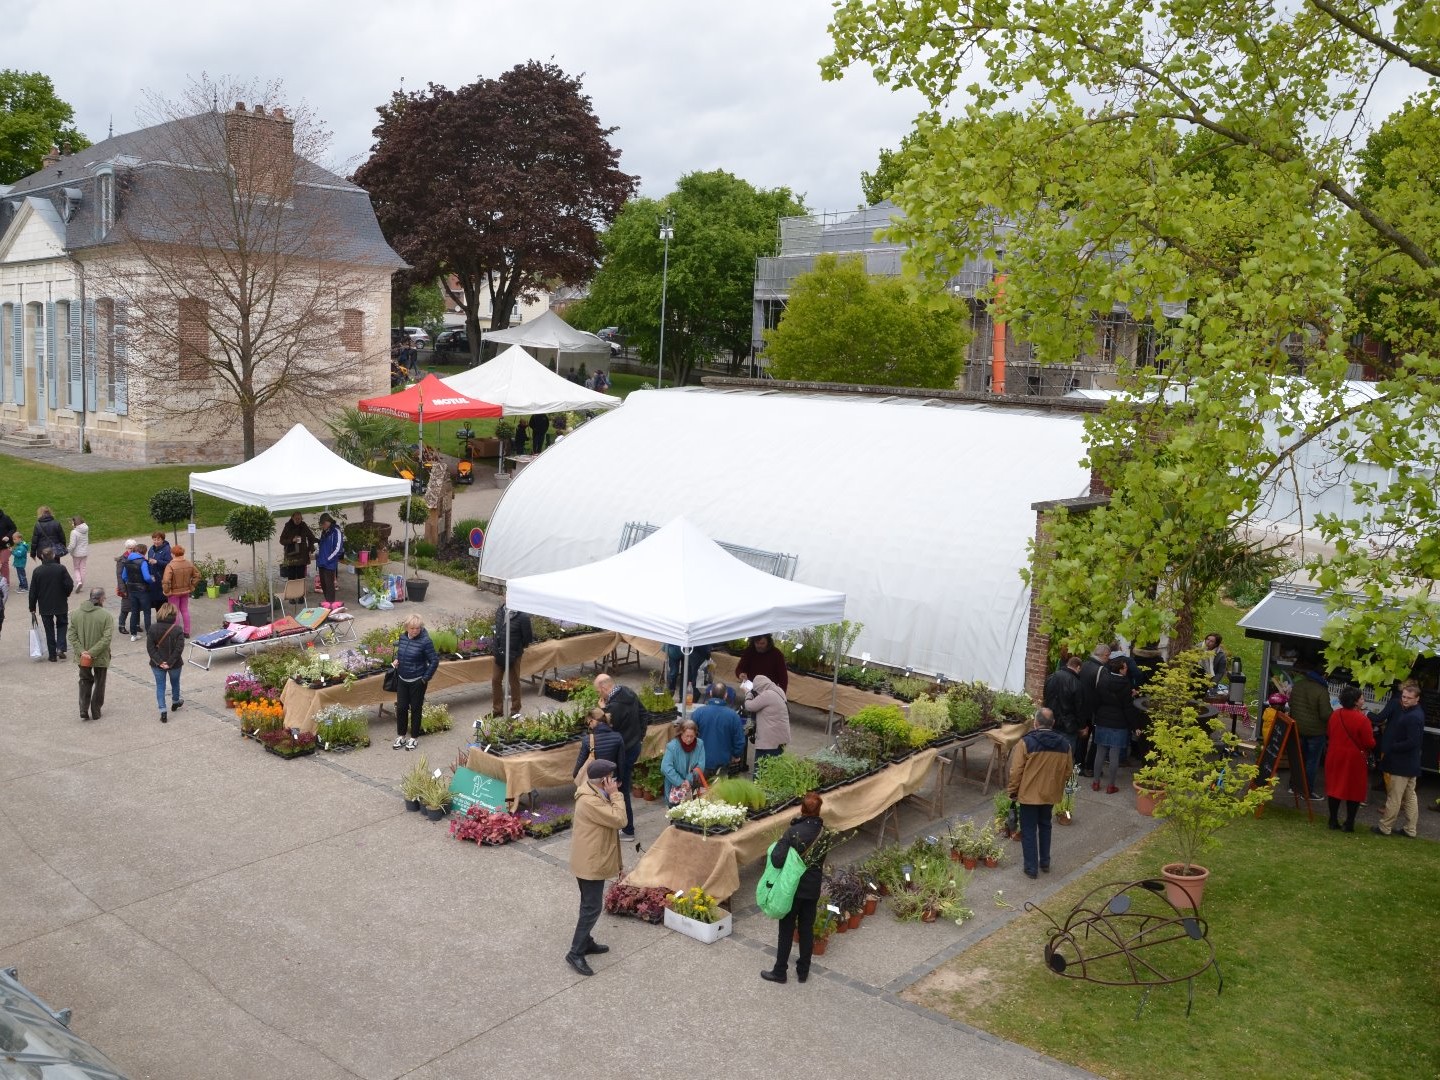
611 336
36 1040
418 336
453 340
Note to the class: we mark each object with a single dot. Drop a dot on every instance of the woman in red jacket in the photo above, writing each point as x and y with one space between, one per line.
1347 774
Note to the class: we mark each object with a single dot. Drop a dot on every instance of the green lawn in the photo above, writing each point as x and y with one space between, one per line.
116 505
1321 938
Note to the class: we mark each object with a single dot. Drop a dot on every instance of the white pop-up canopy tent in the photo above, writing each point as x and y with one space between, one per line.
550 331
677 586
521 385
298 471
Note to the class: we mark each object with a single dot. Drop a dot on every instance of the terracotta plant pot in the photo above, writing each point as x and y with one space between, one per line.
843 925
1064 818
821 944
992 862
928 916
855 920
954 856
870 904
967 862
1185 891
1145 800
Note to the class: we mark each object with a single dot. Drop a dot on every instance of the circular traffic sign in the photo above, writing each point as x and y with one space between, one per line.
477 537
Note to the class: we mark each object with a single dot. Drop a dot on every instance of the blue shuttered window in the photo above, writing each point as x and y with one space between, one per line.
76 357
17 353
4 352
52 391
92 396
122 356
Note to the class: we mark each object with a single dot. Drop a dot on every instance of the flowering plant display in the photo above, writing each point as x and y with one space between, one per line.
489 827
708 814
435 717
259 715
338 726
242 686
546 729
318 669
647 905
695 903
287 742
548 820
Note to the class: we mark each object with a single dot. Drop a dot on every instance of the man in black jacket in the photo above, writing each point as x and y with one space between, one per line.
7 531
513 635
1400 752
1062 697
628 720
1089 679
50 589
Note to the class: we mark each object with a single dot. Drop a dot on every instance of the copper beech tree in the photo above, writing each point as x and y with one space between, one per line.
503 185
248 272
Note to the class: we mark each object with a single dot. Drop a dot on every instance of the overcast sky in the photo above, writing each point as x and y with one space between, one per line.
690 86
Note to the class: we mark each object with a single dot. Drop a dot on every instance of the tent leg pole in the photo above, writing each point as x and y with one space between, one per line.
834 684
684 679
505 695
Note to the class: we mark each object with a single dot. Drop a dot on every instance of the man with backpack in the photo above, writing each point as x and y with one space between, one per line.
513 634
135 572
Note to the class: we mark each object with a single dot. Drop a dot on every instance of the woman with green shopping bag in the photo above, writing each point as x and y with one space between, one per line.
797 843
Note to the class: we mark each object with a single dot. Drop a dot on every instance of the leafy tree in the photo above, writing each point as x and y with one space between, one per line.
372 441
1063 165
504 183
842 325
890 171
722 224
243 266
170 506
424 306
32 120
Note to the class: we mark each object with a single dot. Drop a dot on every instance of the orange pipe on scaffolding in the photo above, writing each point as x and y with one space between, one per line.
997 346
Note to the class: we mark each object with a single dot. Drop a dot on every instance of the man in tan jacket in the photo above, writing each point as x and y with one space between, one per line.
594 854
1039 766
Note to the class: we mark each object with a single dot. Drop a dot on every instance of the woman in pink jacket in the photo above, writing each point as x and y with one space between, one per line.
767 703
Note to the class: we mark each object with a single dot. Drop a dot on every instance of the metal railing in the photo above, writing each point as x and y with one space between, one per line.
772 562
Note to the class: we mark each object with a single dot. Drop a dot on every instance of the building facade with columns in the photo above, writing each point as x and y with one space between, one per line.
153 281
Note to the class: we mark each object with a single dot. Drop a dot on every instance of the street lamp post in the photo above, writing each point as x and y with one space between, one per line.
667 232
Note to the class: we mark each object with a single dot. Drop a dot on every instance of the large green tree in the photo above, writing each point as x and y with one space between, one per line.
1065 163
722 224
32 120
842 325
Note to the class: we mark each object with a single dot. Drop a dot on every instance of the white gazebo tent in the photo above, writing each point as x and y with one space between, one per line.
676 586
297 472
522 386
550 331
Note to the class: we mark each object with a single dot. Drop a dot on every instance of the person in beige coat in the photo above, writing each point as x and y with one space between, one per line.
1039 767
766 702
594 854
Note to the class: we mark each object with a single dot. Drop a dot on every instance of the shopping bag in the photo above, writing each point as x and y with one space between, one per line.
775 891
37 641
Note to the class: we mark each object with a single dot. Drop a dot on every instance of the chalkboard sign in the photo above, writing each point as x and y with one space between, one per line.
1281 732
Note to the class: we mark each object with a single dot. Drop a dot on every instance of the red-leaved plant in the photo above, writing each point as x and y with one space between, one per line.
483 826
646 904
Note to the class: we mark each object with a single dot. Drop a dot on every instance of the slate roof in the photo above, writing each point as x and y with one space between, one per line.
151 192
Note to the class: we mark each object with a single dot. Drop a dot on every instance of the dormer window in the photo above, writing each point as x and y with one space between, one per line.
106 202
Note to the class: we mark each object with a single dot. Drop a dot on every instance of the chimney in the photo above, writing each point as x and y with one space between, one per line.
261 149
52 158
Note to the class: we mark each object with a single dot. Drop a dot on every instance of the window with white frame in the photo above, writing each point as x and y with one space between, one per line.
105 347
62 352
106 184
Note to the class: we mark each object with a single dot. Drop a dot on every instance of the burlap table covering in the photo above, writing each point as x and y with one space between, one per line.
302 702
553 767
805 690
681 859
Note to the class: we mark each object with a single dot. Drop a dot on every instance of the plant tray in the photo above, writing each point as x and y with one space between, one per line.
556 692
700 830
709 933
303 752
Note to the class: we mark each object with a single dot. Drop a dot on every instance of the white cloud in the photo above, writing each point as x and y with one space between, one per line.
690 86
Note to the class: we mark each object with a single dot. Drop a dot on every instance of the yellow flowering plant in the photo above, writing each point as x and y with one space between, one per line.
695 903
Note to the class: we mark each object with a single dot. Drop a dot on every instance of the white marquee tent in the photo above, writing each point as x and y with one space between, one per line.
298 471
677 586
918 511
522 385
552 333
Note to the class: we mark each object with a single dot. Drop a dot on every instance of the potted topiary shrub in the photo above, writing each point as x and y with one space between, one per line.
170 506
1206 781
251 525
414 512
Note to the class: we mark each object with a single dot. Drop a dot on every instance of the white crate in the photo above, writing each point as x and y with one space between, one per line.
709 933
